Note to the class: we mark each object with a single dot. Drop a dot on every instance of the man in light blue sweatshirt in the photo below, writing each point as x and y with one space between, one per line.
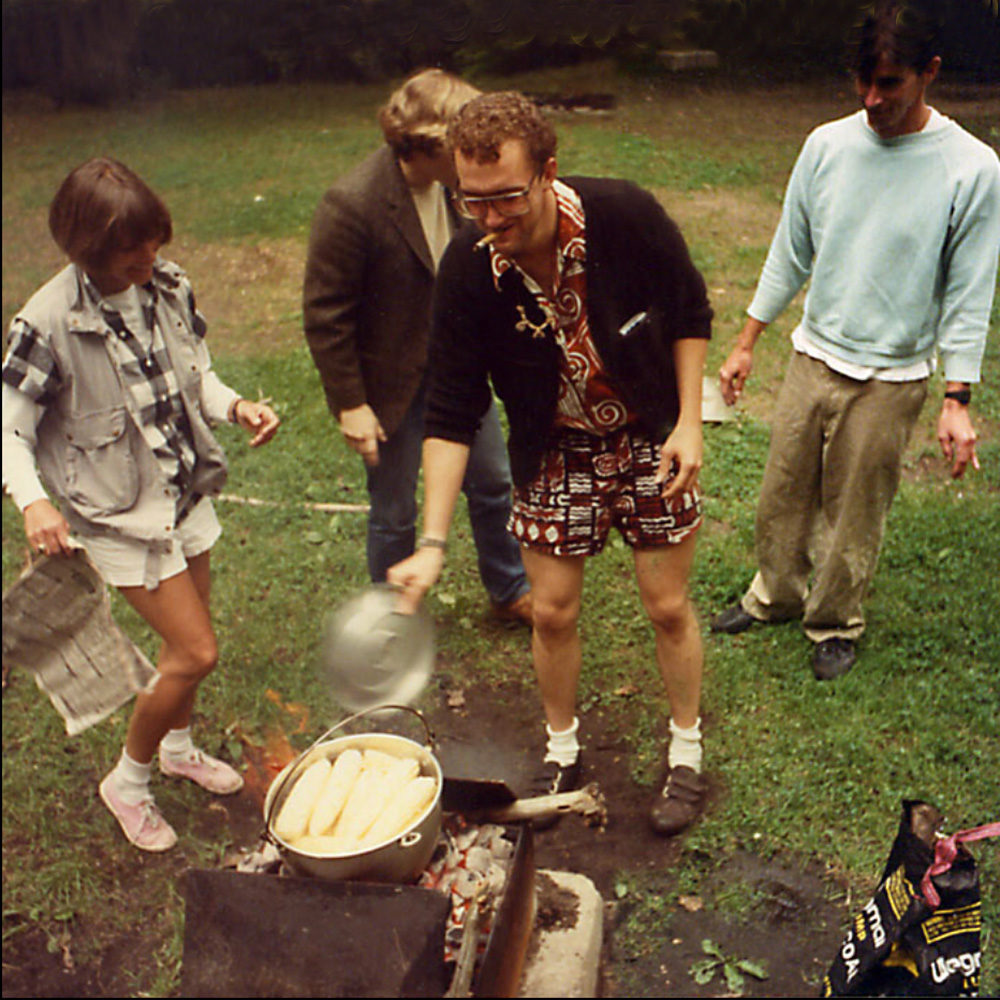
893 216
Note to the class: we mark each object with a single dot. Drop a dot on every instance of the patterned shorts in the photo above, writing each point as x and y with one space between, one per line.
587 484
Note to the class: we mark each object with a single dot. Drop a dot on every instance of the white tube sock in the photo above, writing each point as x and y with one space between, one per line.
685 746
563 747
131 779
177 742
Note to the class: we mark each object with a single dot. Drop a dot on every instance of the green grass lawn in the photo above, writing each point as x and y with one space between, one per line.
810 771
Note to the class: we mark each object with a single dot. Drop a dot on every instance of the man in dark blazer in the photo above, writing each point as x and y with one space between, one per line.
377 236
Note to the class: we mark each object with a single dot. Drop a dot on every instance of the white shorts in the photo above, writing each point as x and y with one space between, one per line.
125 562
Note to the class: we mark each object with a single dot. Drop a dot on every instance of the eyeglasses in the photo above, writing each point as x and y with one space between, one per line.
508 205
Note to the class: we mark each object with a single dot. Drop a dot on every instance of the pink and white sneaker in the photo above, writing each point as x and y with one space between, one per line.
142 824
214 775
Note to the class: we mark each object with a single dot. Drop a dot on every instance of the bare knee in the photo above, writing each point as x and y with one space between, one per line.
194 660
553 617
672 614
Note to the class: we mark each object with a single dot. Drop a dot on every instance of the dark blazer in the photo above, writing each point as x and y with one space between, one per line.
637 262
367 291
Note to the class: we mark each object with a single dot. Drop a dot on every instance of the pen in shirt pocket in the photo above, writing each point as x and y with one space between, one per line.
629 325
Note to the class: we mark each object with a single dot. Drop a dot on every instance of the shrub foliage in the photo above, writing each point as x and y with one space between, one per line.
101 50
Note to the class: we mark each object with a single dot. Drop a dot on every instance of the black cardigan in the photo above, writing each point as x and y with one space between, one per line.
636 261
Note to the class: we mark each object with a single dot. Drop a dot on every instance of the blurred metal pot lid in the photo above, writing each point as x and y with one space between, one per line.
373 654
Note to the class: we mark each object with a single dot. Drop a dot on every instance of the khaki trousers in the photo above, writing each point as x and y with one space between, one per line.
832 471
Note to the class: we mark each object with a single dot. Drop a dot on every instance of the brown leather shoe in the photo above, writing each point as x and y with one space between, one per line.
516 612
680 803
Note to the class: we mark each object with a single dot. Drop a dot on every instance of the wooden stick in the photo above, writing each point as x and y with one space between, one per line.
359 508
588 802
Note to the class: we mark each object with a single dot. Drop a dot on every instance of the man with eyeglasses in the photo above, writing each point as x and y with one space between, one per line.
377 237
577 300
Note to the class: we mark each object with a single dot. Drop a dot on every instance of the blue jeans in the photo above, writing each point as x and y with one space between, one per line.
392 487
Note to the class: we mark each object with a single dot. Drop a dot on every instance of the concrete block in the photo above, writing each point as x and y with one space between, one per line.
564 954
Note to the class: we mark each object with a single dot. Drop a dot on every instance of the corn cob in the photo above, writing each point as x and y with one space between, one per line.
335 791
404 809
293 819
372 792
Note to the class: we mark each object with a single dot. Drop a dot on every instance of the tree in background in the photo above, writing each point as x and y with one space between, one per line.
72 50
103 50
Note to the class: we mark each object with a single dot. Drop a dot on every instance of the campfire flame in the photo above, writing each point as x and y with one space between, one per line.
266 760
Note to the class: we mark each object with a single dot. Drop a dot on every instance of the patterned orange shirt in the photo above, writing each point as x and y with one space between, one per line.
587 399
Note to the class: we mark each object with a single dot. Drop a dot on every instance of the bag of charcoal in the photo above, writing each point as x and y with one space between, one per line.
919 934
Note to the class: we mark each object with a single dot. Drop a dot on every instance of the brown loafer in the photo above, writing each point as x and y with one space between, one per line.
680 803
516 612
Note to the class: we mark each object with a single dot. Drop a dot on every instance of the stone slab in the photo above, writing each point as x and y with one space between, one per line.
564 955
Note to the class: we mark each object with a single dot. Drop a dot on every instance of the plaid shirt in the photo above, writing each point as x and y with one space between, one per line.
587 399
147 374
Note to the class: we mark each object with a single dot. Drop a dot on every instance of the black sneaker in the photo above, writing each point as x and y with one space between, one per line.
832 658
733 620
551 779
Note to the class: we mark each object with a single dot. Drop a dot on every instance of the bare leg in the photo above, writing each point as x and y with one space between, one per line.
178 611
556 587
662 574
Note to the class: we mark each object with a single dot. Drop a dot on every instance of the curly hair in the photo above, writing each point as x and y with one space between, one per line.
101 207
486 123
908 32
416 115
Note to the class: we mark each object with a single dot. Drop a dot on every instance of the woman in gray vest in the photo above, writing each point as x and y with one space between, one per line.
108 400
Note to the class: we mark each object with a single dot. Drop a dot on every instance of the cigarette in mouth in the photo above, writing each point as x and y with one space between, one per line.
486 241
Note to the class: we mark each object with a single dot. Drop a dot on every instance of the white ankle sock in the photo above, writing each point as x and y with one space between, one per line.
563 747
685 746
177 742
131 779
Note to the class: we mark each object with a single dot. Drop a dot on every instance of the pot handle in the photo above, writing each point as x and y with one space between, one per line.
430 738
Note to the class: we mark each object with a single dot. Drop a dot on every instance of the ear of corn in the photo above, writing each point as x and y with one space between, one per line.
404 770
316 845
359 800
379 760
359 811
402 812
335 791
293 819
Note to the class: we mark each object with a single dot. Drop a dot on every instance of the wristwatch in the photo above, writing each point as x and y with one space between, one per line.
959 395
426 542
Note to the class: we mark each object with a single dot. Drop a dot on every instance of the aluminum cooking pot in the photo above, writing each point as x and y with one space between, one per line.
399 859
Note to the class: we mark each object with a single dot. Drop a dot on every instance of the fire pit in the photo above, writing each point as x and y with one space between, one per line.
467 922
285 935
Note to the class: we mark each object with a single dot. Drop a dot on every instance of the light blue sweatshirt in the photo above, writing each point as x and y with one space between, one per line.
900 238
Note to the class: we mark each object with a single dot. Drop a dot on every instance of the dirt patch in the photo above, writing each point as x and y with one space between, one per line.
250 293
779 912
723 215
556 908
96 956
